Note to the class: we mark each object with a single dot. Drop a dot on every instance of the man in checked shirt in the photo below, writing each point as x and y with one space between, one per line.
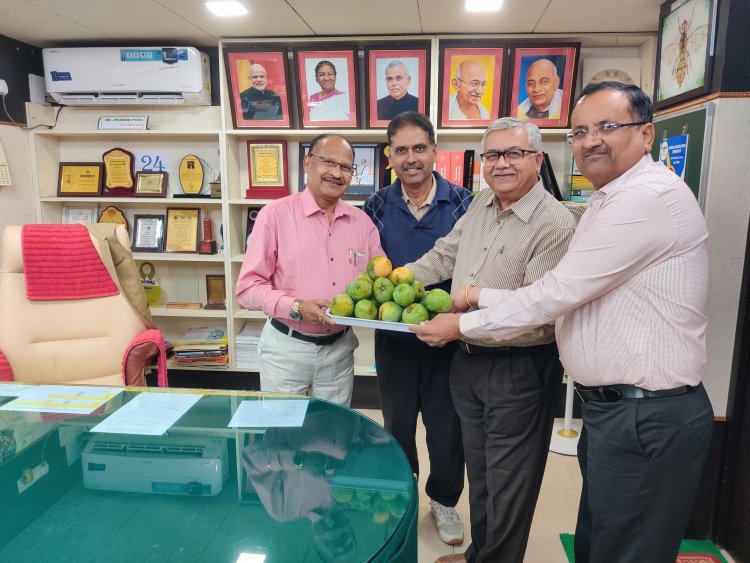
630 299
504 391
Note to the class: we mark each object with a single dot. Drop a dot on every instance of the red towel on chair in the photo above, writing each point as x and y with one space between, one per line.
60 262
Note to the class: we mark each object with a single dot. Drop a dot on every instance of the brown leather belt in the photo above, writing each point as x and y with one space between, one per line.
317 340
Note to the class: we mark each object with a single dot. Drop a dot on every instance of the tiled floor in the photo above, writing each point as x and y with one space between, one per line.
555 512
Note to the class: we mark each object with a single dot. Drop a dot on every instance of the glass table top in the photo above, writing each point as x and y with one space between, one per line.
338 488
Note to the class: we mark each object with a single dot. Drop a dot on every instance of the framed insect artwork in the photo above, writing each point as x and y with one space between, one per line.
685 52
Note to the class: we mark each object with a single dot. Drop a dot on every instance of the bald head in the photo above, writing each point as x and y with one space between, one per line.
258 77
469 83
541 83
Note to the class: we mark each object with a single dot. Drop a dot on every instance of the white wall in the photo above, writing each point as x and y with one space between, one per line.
17 200
727 212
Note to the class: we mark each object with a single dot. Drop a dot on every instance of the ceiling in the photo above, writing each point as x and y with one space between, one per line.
58 23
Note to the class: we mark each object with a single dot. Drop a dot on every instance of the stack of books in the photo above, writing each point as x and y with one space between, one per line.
246 346
203 347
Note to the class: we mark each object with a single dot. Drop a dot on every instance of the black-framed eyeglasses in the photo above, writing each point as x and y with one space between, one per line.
346 169
473 83
511 156
580 135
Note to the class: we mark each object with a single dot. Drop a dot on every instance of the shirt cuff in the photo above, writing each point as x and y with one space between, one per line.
284 307
470 325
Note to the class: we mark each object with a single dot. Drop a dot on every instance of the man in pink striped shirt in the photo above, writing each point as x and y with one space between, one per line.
303 250
629 300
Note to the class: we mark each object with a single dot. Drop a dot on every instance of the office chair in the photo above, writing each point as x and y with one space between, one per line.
72 308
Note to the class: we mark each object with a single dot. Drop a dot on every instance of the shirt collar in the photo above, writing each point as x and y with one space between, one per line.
525 206
623 179
310 206
430 196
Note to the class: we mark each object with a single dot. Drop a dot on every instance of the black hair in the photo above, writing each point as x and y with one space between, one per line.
640 103
324 63
322 136
410 118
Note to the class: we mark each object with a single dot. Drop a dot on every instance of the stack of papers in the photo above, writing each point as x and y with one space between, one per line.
203 347
247 346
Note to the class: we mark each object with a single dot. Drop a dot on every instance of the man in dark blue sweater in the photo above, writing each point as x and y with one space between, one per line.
411 214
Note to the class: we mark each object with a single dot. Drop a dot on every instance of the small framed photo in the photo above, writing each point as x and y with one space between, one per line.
267 170
216 292
79 214
182 229
543 80
80 179
148 233
471 83
398 80
151 184
258 86
685 50
327 82
366 178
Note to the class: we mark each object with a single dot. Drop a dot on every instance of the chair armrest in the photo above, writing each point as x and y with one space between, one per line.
146 347
6 372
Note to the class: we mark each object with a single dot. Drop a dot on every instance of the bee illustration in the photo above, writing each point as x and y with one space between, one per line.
677 53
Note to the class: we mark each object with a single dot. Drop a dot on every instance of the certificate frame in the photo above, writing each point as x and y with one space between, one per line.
148 233
490 55
684 58
267 170
414 57
216 291
182 229
119 175
565 57
80 179
341 109
151 184
72 214
238 58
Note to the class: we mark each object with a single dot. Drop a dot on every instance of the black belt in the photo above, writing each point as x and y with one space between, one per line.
318 340
611 393
474 349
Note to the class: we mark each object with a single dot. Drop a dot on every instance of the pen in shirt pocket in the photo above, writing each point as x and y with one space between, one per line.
353 255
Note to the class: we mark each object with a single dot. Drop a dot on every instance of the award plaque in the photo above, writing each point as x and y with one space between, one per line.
118 172
111 214
80 179
267 169
208 244
191 175
148 233
151 184
182 229
150 285
216 293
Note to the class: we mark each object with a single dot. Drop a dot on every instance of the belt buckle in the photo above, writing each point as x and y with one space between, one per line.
611 394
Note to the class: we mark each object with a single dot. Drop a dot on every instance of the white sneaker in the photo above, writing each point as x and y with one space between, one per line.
449 525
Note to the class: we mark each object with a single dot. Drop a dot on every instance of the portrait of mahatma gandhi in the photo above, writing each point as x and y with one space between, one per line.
469 83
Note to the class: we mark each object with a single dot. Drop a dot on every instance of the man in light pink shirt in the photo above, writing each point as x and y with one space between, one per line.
304 249
629 300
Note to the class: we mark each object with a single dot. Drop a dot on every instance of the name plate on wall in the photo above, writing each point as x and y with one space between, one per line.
123 122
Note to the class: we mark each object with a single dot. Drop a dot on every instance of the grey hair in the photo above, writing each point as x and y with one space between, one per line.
394 64
505 123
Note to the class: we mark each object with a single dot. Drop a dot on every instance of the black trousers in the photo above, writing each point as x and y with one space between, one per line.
413 377
641 461
506 401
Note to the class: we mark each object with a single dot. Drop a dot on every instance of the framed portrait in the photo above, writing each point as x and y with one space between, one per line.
151 184
366 178
148 233
327 82
398 80
685 50
258 86
182 229
471 84
80 179
543 80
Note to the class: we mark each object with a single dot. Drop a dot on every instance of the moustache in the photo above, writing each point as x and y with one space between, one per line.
597 150
333 180
414 166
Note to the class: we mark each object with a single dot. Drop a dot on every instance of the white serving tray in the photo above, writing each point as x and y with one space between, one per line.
383 325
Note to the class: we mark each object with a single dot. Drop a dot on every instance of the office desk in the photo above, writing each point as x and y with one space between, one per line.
336 489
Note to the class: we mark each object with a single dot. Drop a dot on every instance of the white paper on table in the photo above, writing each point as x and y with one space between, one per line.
69 399
149 414
12 389
270 413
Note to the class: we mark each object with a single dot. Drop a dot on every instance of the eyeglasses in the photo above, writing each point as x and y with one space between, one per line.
604 130
512 156
473 83
346 169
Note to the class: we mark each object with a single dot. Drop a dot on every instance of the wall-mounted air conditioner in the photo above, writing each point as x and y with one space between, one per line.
127 75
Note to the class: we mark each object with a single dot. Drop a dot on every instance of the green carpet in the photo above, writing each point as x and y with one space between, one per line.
687 548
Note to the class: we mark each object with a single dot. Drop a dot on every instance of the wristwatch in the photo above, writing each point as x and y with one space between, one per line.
294 311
